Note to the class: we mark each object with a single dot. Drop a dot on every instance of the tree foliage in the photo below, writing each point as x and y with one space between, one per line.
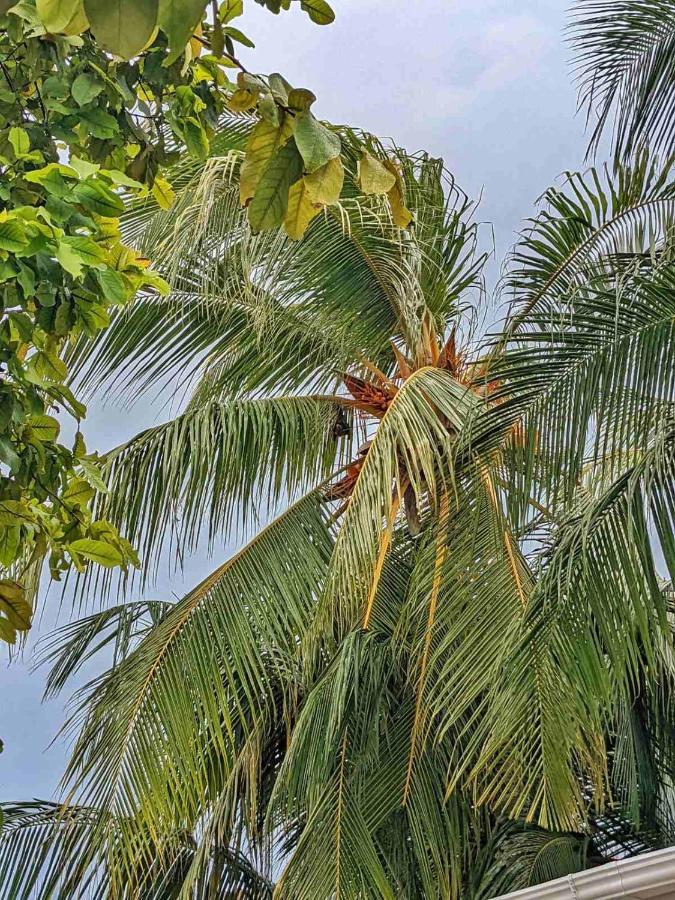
443 666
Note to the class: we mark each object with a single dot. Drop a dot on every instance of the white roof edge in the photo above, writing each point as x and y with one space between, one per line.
650 872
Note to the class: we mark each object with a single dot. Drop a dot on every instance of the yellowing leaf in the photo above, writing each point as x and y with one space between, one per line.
46 367
400 213
264 141
44 428
301 210
195 44
325 184
69 258
78 493
122 27
242 100
316 143
163 193
18 138
12 236
373 176
62 16
268 208
7 631
300 99
14 605
15 512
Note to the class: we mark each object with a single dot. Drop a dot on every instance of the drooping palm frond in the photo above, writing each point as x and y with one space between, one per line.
167 726
46 852
115 629
595 617
584 367
344 291
221 464
412 447
624 57
521 857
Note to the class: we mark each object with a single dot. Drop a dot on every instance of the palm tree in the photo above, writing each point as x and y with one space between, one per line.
449 649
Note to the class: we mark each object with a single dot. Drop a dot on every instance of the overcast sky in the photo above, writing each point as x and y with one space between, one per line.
483 83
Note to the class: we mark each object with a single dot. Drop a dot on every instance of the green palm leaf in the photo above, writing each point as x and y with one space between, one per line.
624 61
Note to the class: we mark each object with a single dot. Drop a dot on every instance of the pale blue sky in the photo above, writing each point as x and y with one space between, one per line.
483 83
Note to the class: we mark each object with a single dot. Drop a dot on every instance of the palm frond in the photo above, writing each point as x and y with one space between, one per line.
586 228
164 729
115 629
624 59
415 436
220 464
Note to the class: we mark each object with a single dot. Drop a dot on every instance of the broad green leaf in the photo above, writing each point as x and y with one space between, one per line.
83 167
373 176
316 143
163 192
99 123
112 285
99 199
44 428
69 258
89 251
43 175
239 36
46 367
230 9
10 535
325 184
319 11
12 236
18 138
14 605
264 141
78 493
122 27
94 315
92 474
99 552
121 178
62 16
15 512
268 208
279 87
86 88
196 139
79 446
217 39
153 280
178 19
301 210
9 456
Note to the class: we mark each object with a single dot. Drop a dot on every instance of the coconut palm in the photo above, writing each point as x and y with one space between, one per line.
447 646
